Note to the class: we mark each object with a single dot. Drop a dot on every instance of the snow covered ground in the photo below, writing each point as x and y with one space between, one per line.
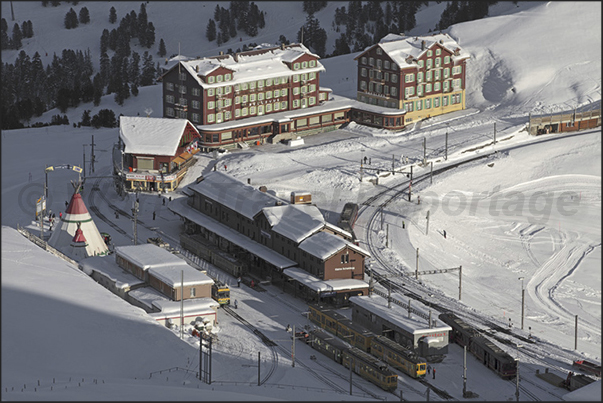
535 213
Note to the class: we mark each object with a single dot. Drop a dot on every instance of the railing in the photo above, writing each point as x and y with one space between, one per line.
44 245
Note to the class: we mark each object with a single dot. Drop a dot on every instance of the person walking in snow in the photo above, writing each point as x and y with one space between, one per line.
239 282
434 373
428 369
444 234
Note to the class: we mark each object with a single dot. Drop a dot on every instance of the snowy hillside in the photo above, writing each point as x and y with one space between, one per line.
531 209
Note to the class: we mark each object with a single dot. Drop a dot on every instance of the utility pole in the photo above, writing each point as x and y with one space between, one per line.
181 304
387 235
12 12
350 358
417 266
517 380
258 368
293 347
464 371
93 157
46 183
409 309
410 185
522 301
460 277
431 174
135 213
576 334
84 165
427 227
424 150
446 148
494 132
393 160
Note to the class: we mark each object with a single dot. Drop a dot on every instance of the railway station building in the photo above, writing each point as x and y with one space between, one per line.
411 330
287 244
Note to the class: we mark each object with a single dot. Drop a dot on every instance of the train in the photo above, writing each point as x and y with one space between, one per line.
220 292
348 217
487 352
363 364
380 347
205 250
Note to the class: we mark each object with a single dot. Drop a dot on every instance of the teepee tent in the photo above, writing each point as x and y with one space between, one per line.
78 244
76 218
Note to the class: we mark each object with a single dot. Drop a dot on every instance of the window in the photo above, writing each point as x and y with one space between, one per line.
268 108
193 292
211 79
428 88
284 92
219 78
252 97
245 98
295 66
363 85
301 123
244 111
436 102
386 64
386 76
312 63
456 70
284 105
295 90
237 100
219 117
183 101
260 96
379 51
304 77
228 89
371 61
429 61
211 105
211 118
446 59
408 106
394 66
437 61
409 91
237 113
196 117
169 99
445 100
379 61
436 86
363 60
260 109
429 53
419 105
296 103
420 77
252 85
437 74
268 95
446 85
427 103
296 78
196 104
237 87
182 76
169 86
456 84
276 93
220 90
363 72
268 82
244 86
304 65
211 92
227 102
409 78
252 110
196 91
394 78
261 84
312 76
446 72
421 63
227 77
312 100
277 106
394 91
169 112
420 90
438 51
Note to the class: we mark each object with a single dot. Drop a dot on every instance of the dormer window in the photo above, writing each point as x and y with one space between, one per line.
379 52
295 66
312 63
211 79
304 65
227 77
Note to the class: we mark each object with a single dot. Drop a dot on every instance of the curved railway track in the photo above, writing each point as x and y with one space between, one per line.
494 330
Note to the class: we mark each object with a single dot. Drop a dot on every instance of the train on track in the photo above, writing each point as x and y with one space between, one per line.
348 217
205 250
379 347
363 364
487 352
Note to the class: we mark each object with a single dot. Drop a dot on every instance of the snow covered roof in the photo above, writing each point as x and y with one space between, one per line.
250 65
399 48
155 136
294 221
107 267
324 245
337 229
199 305
318 285
396 315
181 207
149 255
234 194
172 275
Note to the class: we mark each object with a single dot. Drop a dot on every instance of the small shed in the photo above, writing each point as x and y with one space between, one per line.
301 198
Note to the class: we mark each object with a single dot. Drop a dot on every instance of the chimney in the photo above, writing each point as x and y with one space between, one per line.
422 45
236 57
282 45
197 68
221 53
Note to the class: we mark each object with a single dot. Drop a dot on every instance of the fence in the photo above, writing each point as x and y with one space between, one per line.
44 245
564 122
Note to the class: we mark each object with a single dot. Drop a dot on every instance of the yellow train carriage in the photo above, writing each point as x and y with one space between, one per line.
398 357
325 318
355 334
370 368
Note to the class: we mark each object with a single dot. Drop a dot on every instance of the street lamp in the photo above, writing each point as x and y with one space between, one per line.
523 292
517 373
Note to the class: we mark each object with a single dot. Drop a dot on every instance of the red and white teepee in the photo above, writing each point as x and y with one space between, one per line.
78 244
77 218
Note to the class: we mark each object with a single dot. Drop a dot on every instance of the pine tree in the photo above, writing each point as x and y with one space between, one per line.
341 46
143 27
86 118
71 20
98 85
104 41
112 15
162 51
17 37
147 76
5 41
210 32
134 69
84 15
150 40
217 13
